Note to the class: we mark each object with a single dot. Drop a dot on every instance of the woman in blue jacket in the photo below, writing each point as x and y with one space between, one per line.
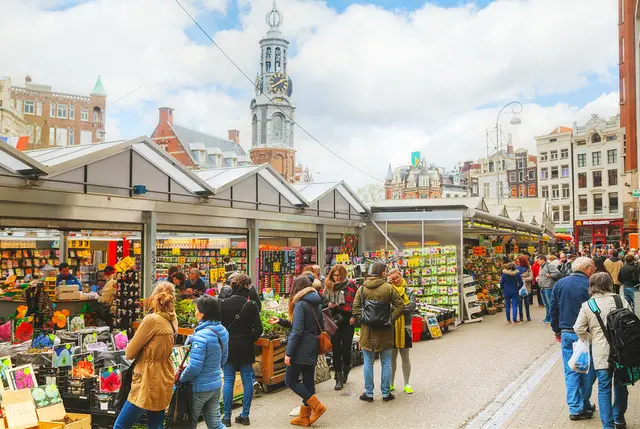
302 349
511 282
209 350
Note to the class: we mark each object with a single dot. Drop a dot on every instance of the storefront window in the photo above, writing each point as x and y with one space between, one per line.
585 234
597 203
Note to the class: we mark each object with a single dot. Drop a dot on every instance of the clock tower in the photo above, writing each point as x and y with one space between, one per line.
272 109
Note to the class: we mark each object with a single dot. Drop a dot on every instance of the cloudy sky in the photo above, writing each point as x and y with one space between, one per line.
374 80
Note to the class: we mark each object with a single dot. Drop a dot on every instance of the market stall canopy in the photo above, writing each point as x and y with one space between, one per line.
479 217
565 237
17 162
223 179
316 193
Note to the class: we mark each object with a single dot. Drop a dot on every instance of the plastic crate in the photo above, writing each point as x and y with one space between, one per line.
81 388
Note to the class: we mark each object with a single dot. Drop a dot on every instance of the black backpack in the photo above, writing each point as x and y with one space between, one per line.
623 334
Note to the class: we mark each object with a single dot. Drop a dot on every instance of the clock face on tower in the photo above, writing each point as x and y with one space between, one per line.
279 83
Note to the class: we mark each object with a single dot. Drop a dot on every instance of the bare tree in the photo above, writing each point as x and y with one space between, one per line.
371 193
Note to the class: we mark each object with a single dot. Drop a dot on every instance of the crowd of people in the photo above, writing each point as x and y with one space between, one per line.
229 324
579 291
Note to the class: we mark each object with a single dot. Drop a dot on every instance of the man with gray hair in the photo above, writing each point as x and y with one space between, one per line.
567 296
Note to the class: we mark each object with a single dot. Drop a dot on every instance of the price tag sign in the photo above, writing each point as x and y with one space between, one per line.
498 250
137 250
224 251
531 249
479 251
342 258
276 267
79 244
182 260
175 251
125 264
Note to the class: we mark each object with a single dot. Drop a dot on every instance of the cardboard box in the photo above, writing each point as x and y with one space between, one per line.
46 425
83 421
19 409
68 293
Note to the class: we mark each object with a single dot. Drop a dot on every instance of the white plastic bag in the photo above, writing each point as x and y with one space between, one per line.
580 360
523 291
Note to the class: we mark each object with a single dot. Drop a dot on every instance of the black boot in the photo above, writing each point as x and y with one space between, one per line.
345 375
339 383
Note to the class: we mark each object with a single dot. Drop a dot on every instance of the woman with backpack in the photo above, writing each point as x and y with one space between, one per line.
588 328
209 350
302 349
340 291
241 317
522 265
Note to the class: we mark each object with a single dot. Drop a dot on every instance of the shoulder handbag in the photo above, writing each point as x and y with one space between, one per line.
324 340
179 413
375 313
237 316
329 324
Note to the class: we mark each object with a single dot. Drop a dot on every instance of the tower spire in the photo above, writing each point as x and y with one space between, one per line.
274 18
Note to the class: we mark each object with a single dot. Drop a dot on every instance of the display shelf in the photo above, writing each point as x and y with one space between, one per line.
471 305
278 267
205 258
20 262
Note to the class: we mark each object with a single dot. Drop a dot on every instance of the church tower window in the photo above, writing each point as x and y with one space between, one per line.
278 126
277 60
254 130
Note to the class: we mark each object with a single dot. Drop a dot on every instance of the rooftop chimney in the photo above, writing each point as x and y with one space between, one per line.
166 115
234 136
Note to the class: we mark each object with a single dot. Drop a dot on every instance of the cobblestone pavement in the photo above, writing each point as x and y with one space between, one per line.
454 379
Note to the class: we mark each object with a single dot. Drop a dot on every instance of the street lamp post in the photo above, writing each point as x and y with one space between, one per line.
516 109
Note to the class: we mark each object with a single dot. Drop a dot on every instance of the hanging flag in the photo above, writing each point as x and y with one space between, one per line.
415 158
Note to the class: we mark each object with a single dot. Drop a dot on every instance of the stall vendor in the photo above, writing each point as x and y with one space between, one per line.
195 282
66 276
468 271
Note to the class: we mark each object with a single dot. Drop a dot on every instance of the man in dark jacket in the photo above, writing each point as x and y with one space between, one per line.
377 339
629 277
567 297
241 317
547 277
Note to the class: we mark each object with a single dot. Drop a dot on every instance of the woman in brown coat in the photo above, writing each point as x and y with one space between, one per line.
154 375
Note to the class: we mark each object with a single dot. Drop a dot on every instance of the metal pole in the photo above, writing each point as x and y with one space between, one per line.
515 110
149 253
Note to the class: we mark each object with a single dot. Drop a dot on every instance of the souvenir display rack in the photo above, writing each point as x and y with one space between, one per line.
432 272
206 259
20 262
279 266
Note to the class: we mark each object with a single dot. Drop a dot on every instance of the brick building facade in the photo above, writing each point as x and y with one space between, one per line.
59 119
523 179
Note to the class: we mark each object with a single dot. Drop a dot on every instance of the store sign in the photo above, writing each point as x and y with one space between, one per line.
224 251
342 258
79 244
276 267
498 250
175 251
595 222
125 264
531 249
479 251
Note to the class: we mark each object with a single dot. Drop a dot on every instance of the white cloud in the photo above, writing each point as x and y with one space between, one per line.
370 83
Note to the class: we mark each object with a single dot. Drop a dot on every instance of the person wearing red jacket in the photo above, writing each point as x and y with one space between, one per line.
535 269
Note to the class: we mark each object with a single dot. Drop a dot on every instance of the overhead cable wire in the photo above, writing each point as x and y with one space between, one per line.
269 98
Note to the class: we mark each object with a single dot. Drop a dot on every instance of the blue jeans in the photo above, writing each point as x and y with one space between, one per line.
207 404
307 388
130 415
579 386
246 373
385 362
511 306
609 414
526 301
546 300
630 296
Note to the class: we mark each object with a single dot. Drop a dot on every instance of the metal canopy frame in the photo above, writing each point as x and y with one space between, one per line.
18 162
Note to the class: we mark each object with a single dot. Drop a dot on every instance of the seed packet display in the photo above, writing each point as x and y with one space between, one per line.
75 322
22 330
42 340
5 364
21 377
120 340
83 365
86 339
46 396
110 379
62 356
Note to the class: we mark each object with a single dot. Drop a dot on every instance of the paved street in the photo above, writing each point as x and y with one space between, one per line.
454 379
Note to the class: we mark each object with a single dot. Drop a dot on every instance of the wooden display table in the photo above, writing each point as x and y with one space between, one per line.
269 367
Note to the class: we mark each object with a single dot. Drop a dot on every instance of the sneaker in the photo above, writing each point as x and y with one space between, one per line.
226 422
244 421
366 398
585 415
389 397
408 389
622 425
392 388
295 412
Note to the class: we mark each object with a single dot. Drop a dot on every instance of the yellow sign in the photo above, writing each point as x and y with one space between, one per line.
413 262
137 250
531 249
224 251
498 250
79 244
175 251
215 274
276 267
182 260
342 258
125 264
